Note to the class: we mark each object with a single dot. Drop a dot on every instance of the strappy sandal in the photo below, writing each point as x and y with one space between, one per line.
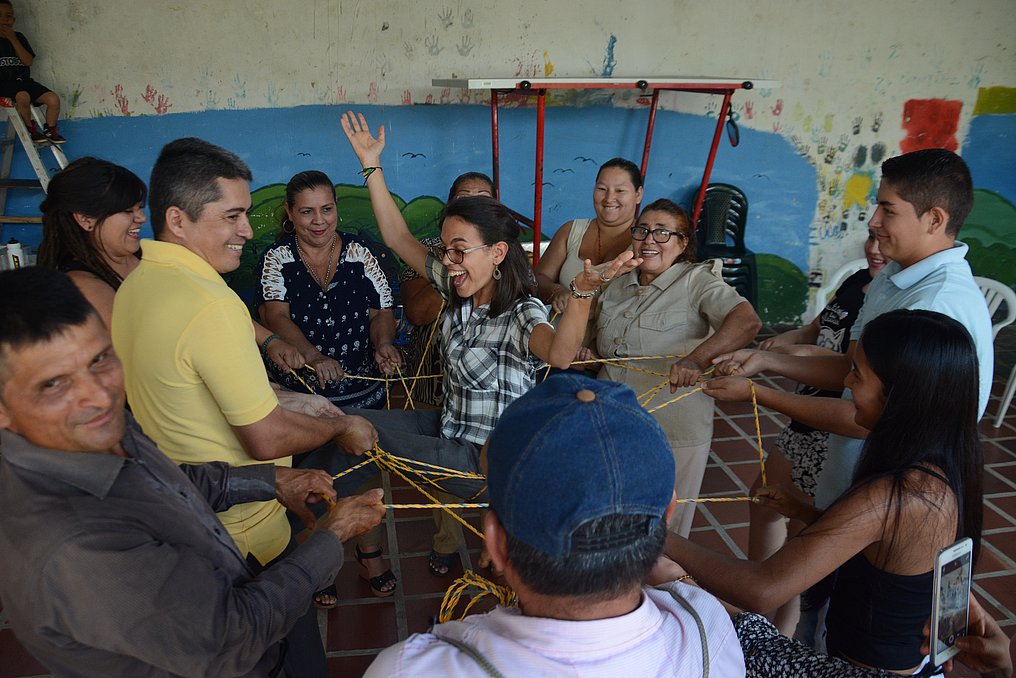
377 583
326 592
440 564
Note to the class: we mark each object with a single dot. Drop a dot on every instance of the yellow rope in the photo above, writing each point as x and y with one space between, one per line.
426 349
451 472
621 360
648 396
409 392
504 595
365 378
380 458
391 461
758 434
715 500
402 466
639 369
674 400
577 362
305 384
431 506
351 469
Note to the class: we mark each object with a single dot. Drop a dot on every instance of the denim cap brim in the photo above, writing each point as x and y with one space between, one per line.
572 450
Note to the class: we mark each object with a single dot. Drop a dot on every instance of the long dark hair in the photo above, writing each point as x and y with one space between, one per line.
928 368
495 224
97 189
304 181
683 225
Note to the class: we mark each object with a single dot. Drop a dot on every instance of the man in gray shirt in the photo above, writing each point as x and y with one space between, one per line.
115 563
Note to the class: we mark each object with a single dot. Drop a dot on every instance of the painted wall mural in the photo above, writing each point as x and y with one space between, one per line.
418 163
860 83
990 150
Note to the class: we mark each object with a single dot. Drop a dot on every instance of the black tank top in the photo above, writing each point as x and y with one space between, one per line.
877 617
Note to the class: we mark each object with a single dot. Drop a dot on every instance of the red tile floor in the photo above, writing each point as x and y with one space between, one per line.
361 625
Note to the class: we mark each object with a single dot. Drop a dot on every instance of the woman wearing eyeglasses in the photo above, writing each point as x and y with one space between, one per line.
671 305
495 330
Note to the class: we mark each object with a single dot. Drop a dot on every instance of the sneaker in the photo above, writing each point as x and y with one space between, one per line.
53 135
38 137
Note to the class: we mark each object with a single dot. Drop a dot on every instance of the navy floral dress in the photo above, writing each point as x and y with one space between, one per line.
336 322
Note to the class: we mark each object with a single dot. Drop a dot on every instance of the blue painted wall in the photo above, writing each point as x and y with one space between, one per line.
429 145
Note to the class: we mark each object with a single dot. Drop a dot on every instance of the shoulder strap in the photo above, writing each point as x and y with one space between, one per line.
578 229
698 622
473 654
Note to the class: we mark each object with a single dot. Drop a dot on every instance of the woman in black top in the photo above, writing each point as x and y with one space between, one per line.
916 489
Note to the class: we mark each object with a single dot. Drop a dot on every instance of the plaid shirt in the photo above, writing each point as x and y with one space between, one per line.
487 360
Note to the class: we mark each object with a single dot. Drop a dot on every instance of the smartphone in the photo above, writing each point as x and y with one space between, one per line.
951 602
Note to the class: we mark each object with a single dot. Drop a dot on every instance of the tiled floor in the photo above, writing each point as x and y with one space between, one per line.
361 625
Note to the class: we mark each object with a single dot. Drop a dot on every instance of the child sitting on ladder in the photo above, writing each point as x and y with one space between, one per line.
16 57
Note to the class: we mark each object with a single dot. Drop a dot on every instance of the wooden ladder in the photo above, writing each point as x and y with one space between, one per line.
17 131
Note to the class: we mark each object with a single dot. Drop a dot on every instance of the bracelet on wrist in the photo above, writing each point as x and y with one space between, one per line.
686 578
270 339
580 295
367 171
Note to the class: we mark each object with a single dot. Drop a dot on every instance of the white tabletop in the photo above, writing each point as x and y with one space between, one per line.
651 82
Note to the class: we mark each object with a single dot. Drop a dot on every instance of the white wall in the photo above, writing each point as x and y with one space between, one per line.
842 64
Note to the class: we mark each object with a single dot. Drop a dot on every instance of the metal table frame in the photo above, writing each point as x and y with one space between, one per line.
539 86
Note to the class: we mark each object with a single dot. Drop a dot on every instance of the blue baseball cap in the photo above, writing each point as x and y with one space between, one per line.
572 450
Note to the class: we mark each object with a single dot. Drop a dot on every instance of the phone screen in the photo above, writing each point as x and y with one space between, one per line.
954 598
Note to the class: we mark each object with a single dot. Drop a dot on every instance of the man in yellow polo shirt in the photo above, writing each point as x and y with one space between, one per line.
195 380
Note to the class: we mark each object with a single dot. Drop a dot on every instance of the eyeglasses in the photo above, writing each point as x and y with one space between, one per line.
456 256
660 235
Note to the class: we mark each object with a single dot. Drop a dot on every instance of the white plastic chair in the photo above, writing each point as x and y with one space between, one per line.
829 286
996 294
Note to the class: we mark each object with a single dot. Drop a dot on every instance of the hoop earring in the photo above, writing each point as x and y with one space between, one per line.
497 273
290 229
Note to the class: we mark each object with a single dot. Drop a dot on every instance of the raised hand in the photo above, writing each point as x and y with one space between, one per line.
366 147
594 277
